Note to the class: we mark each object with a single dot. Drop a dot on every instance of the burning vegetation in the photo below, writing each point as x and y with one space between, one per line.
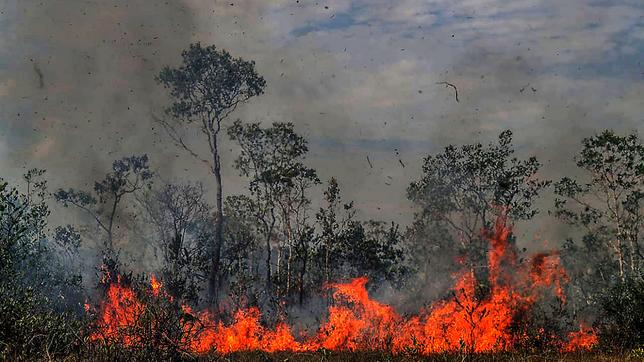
355 322
274 271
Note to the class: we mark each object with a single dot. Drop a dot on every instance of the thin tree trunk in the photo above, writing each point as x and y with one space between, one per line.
219 230
268 263
634 252
620 258
289 236
278 268
288 269
326 263
110 242
302 274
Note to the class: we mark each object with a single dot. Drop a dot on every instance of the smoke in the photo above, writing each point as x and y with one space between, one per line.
77 85
77 89
82 81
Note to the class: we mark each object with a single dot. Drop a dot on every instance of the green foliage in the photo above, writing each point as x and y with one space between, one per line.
622 316
31 328
464 189
279 182
373 248
334 220
608 204
205 90
36 292
272 158
210 82
242 250
478 180
348 248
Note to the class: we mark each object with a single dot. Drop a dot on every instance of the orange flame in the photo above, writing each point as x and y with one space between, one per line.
155 285
583 339
465 322
118 313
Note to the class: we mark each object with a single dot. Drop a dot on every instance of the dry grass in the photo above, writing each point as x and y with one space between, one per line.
253 356
379 356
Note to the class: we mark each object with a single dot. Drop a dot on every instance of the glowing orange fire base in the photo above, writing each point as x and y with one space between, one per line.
462 323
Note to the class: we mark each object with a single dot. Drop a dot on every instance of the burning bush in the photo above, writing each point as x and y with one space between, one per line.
142 317
465 322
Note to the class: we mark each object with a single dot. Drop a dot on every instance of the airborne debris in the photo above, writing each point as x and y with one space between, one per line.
447 84
41 82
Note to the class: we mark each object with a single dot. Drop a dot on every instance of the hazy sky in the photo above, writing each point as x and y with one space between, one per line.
358 79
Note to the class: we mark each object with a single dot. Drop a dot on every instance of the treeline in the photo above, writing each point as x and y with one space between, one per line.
272 247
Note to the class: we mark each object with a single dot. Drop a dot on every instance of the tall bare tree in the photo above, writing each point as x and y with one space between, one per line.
208 86
183 223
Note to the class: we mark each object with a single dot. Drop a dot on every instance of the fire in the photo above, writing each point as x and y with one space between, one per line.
583 339
155 285
118 313
245 333
466 322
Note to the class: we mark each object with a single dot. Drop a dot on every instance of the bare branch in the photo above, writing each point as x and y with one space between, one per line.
447 84
177 139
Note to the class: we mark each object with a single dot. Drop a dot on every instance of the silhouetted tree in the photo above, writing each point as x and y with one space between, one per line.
279 181
608 204
242 251
467 187
332 225
347 248
206 89
128 175
183 224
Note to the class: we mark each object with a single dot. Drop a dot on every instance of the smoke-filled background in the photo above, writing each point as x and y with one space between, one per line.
374 87
358 79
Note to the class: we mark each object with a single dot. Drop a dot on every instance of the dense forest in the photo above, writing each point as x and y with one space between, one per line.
281 258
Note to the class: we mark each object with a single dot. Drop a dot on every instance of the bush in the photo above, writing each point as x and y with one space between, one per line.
33 324
30 329
139 319
622 316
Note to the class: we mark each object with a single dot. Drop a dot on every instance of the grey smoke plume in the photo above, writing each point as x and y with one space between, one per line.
358 78
81 81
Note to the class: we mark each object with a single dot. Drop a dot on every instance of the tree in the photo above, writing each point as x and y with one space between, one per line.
347 247
206 89
373 248
431 253
332 226
607 204
467 187
38 291
183 223
128 175
272 159
242 251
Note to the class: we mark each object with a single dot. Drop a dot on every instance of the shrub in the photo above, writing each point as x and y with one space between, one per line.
622 316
